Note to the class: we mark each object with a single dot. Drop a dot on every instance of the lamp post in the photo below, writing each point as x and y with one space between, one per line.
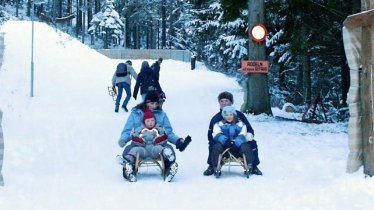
32 51
32 45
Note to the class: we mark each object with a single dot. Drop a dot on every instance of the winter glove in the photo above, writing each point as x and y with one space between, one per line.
122 143
162 95
160 139
222 139
229 144
253 145
183 143
239 140
137 140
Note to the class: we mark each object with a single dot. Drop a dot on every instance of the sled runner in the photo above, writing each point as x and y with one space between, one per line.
226 158
149 162
112 92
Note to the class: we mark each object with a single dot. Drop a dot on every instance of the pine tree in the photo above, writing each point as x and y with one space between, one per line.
107 25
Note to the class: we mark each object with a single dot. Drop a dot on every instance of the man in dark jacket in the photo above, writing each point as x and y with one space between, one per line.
156 68
226 99
146 81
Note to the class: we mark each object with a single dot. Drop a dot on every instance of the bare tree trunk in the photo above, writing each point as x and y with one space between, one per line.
258 91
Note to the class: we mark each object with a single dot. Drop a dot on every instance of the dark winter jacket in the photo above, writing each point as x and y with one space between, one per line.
156 69
218 117
146 81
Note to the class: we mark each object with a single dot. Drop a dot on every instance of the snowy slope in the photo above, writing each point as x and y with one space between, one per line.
61 144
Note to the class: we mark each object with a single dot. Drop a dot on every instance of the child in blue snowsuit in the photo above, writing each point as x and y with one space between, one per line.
230 133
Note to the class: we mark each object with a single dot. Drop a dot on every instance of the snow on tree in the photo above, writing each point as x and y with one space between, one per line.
107 25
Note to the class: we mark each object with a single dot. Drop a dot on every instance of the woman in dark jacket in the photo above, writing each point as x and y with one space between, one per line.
146 81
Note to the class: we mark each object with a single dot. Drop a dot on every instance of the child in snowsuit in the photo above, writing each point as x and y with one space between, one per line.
230 133
150 141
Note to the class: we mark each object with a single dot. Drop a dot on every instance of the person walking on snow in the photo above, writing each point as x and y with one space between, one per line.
122 79
156 67
147 81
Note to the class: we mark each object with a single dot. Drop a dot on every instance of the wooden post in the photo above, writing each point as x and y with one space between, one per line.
365 20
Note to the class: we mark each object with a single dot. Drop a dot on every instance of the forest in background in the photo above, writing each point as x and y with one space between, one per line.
304 44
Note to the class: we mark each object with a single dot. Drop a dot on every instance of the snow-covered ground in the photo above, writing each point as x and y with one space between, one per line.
60 145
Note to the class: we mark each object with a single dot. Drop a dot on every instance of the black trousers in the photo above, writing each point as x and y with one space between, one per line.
218 148
254 148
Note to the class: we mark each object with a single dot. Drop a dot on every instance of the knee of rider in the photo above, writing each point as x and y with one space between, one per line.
249 136
168 153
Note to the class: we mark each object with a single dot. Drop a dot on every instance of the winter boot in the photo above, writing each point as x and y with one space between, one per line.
171 171
256 171
125 108
116 109
217 172
249 171
128 171
209 171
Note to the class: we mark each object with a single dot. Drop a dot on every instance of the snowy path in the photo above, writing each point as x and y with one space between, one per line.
61 144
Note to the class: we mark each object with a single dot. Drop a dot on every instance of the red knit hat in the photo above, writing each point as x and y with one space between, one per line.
147 115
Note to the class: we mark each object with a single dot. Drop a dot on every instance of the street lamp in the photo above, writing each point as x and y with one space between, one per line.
258 33
32 51
32 45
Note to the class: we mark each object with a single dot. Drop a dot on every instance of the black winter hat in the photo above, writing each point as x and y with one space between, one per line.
152 96
226 95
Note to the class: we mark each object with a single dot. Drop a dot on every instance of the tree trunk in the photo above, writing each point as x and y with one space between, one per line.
345 75
299 86
97 6
171 27
28 12
163 23
258 91
282 76
367 91
60 8
70 11
89 11
307 84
